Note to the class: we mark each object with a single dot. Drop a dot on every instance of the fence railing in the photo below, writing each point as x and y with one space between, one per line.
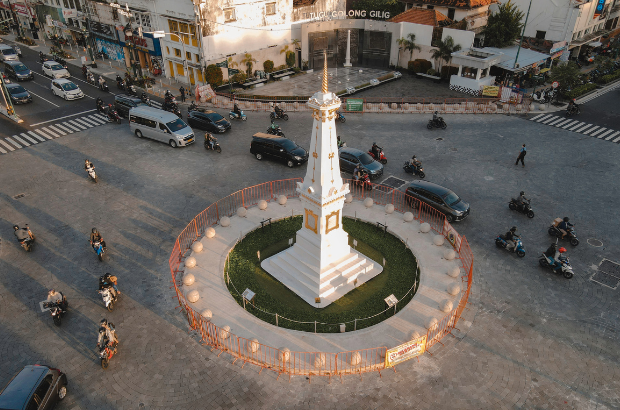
311 363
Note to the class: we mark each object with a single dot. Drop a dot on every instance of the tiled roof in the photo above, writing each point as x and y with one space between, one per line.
303 3
464 4
421 16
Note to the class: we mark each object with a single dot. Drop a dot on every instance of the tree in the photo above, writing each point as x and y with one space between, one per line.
232 63
213 75
289 56
567 75
393 7
503 27
409 44
249 61
444 51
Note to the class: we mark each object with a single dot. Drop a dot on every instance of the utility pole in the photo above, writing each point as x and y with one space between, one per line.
522 34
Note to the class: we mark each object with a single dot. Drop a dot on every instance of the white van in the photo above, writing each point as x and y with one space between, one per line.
160 125
7 53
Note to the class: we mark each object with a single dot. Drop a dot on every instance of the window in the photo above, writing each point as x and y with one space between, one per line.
163 128
587 31
229 14
540 35
39 394
451 13
579 35
270 8
177 52
430 7
192 33
167 50
197 58
150 123
174 28
66 3
188 56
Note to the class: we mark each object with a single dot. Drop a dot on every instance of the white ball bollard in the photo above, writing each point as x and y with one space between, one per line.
449 254
224 332
454 272
348 198
408 217
454 288
356 358
284 355
188 279
197 246
253 345
193 296
446 306
438 240
210 232
389 209
282 199
319 360
224 221
262 204
414 335
432 322
541 107
190 262
368 202
207 315
242 212
425 227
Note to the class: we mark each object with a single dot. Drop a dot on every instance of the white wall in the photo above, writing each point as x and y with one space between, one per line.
236 41
464 38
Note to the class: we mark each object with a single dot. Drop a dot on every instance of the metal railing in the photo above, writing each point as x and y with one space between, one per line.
311 363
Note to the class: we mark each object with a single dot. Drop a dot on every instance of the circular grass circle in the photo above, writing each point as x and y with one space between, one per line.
358 309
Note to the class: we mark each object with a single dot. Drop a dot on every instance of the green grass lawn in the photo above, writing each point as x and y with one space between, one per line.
399 275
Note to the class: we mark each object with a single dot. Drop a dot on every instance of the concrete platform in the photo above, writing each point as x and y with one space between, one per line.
432 292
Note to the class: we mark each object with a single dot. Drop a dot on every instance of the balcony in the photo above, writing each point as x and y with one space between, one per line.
588 38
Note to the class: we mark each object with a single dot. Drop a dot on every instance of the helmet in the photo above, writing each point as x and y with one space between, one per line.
374 143
103 322
521 193
513 229
94 230
566 219
15 227
413 157
436 112
51 292
562 250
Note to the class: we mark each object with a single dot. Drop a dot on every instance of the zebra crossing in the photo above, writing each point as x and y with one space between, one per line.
50 132
571 124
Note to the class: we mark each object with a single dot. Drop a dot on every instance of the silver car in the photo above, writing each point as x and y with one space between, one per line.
7 53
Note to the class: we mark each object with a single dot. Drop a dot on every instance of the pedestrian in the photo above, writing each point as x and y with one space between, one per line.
521 156
182 90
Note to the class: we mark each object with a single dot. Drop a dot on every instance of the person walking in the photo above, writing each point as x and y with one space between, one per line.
521 156
182 90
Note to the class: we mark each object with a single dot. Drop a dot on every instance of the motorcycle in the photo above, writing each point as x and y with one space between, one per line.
131 90
570 232
56 309
173 109
99 250
382 158
438 123
565 267
519 249
28 243
145 99
274 116
364 182
192 107
90 79
120 84
109 299
524 209
18 51
234 116
113 116
43 58
572 110
106 352
100 107
410 169
216 146
92 174
104 87
275 131
340 117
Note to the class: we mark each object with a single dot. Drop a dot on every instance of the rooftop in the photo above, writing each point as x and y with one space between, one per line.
461 4
527 57
422 16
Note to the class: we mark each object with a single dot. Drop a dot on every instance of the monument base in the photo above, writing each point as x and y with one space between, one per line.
337 278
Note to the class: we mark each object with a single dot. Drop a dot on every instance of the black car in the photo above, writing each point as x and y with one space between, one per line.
19 95
352 157
208 121
123 103
275 147
18 70
438 197
36 387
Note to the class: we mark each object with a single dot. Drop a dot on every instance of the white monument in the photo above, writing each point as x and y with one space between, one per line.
321 267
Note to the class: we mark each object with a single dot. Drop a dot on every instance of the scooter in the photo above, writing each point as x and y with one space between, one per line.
216 146
104 87
565 267
519 249
438 123
28 243
414 170
525 209
56 309
570 233
274 116
382 158
145 99
340 117
192 107
234 116
131 90
92 174
572 110
364 181
107 351
173 109
113 116
90 79
99 250
108 298
120 84
275 131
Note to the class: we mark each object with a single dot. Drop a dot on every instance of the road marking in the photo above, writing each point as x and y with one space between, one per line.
559 120
588 131
96 119
583 128
77 124
40 138
616 140
41 132
81 121
7 145
49 131
62 118
101 117
2 150
538 116
601 130
23 134
551 118
546 116
73 127
559 124
570 124
64 128
612 135
577 126
13 142
55 129
15 137
605 133
90 123
43 99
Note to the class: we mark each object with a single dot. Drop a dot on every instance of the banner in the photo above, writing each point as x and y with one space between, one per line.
490 90
406 351
355 104
600 5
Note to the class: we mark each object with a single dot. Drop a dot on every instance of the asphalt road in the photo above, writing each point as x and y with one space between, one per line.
534 340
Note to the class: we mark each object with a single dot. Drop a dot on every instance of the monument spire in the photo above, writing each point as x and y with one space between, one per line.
324 88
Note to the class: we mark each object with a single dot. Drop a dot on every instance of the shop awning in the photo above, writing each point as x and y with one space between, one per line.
526 58
595 44
544 70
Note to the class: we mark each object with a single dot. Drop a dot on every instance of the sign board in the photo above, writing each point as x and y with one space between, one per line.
355 104
222 64
600 5
406 351
69 13
83 58
22 10
233 71
490 90
555 84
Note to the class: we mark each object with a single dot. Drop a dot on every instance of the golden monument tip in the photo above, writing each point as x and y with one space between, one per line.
324 88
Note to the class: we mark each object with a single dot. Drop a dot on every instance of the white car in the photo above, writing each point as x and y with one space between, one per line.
66 89
55 70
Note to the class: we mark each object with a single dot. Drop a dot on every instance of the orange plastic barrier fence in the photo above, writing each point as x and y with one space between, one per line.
311 363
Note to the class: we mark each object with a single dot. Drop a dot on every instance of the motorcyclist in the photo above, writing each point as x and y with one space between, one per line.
357 173
109 280
376 150
84 70
522 200
110 112
101 82
275 128
414 163
564 226
168 95
236 110
572 106
107 334
41 56
99 103
558 258
91 78
436 117
88 165
21 234
95 236
511 238
119 79
278 110
192 107
339 142
210 139
57 297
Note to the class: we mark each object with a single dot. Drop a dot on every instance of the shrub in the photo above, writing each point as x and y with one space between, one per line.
609 78
424 64
386 77
581 90
239 78
290 58
414 67
214 76
268 66
280 67
431 71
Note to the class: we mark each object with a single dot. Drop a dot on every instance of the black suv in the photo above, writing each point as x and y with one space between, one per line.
17 70
123 103
36 387
438 197
275 147
208 120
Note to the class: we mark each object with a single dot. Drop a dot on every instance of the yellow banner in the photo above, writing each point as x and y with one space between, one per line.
490 90
405 351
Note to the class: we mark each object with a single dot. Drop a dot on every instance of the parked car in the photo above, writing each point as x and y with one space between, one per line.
55 70
66 89
438 197
19 95
35 387
18 70
161 126
207 120
7 53
278 148
123 103
352 157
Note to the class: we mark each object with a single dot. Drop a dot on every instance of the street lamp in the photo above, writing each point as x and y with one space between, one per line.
129 36
86 38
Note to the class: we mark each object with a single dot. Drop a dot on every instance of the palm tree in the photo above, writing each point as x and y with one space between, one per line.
409 44
249 61
296 43
232 63
444 51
